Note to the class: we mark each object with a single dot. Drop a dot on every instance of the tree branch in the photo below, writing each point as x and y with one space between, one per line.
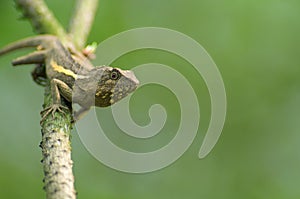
56 151
55 144
41 18
83 17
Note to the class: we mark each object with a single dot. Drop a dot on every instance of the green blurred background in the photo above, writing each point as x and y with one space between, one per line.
256 47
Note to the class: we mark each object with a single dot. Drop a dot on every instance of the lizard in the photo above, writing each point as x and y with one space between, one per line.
72 78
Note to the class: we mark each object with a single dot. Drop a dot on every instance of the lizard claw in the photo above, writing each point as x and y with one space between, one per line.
52 109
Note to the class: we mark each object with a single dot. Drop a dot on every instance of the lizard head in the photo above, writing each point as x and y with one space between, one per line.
113 85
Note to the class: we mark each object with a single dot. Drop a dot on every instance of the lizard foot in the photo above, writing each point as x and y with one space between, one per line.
52 109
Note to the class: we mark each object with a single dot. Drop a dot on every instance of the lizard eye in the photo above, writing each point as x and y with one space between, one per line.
114 75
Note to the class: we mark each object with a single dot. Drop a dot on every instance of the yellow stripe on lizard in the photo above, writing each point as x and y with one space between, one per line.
61 69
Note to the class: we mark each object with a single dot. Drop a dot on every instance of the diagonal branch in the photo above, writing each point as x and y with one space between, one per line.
41 18
81 22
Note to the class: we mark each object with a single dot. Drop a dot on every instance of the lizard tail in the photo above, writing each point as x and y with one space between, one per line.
36 57
36 41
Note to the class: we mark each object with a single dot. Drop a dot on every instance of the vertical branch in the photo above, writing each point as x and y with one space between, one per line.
56 147
81 22
56 151
55 144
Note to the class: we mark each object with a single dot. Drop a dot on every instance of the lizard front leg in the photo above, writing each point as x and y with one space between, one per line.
58 88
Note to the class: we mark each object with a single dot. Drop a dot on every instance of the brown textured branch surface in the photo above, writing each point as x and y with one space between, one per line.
82 21
55 144
56 150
